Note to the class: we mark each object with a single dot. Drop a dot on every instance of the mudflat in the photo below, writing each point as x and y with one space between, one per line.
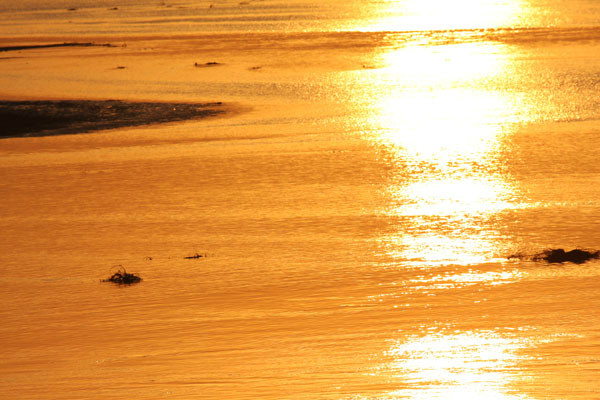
60 117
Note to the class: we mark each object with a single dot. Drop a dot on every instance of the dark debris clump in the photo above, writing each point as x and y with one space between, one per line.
195 256
122 277
558 256
576 256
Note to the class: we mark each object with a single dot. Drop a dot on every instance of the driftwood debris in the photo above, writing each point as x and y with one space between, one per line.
559 256
576 256
122 277
208 64
195 256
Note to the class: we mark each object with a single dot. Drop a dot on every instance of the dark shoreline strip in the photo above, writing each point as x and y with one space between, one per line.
63 117
45 46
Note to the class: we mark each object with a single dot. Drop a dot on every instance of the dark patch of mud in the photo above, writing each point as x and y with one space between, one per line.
62 117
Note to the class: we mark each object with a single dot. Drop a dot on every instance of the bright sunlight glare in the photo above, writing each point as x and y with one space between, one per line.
418 15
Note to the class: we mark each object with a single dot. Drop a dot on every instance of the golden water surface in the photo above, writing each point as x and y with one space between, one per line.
356 207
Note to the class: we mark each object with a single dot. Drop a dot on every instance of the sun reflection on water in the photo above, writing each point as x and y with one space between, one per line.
456 365
453 195
432 249
440 113
412 15
430 65
444 122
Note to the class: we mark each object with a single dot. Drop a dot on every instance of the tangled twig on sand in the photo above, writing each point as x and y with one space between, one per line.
122 277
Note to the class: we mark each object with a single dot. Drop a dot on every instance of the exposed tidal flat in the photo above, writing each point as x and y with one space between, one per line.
42 118
354 178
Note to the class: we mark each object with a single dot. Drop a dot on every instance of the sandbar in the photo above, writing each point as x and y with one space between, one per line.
46 46
62 117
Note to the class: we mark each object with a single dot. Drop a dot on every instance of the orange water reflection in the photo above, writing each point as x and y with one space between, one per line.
444 121
457 365
413 15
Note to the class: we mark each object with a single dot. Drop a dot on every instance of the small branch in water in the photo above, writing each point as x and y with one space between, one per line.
122 277
208 64
195 256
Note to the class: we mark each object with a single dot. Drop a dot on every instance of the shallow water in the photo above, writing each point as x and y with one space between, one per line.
356 210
